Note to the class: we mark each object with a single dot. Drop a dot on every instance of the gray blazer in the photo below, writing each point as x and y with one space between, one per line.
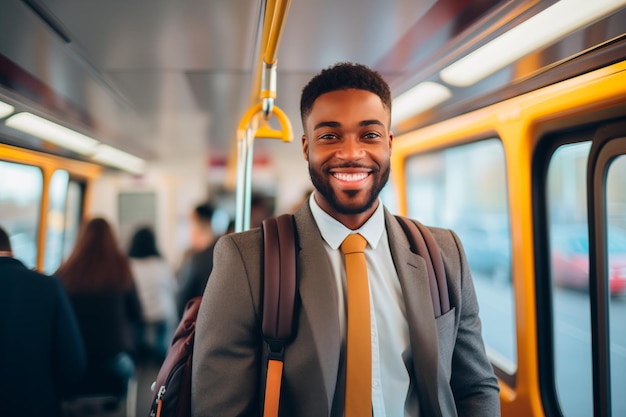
450 367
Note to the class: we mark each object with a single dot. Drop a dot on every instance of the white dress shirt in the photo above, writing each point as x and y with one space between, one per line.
392 394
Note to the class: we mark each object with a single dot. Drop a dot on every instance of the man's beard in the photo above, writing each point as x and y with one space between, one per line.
322 185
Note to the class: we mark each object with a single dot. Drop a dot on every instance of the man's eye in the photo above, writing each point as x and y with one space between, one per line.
371 135
328 136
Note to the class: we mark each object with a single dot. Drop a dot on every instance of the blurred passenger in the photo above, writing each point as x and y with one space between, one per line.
230 228
197 267
41 350
156 286
260 209
98 278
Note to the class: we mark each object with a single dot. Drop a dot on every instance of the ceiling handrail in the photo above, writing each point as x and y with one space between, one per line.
275 16
273 25
247 132
277 25
255 122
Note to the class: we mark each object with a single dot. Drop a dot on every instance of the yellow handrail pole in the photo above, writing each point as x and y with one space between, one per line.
265 83
278 24
268 19
269 10
246 133
268 70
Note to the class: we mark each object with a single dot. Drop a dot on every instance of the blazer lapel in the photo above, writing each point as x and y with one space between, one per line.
318 293
413 278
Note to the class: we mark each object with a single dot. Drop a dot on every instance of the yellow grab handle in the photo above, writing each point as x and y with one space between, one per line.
265 131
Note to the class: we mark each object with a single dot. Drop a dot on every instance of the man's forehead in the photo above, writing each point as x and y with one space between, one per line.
347 92
362 105
363 98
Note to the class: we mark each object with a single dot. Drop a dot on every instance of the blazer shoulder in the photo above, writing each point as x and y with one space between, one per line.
243 240
244 248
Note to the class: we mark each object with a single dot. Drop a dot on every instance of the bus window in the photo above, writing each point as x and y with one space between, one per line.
616 239
20 202
389 197
464 188
73 216
569 255
57 198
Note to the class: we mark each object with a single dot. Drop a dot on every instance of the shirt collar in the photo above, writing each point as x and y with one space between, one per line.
333 232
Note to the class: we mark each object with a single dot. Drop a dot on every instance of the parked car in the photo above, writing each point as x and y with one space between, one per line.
570 257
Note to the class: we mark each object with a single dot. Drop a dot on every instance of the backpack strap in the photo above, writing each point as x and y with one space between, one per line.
279 298
423 243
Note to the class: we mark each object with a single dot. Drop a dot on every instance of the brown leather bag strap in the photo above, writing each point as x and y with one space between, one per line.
423 243
279 290
279 299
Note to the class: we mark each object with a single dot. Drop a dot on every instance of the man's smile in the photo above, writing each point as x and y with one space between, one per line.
350 177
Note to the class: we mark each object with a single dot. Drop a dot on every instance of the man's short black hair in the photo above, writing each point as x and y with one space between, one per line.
343 76
204 212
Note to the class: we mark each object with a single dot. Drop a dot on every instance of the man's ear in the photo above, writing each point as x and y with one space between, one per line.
305 147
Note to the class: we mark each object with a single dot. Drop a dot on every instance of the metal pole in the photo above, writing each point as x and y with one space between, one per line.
244 181
248 178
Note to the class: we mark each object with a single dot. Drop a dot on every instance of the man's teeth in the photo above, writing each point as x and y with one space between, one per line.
350 177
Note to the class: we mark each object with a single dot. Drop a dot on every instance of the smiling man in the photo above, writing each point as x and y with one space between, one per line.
407 362
347 143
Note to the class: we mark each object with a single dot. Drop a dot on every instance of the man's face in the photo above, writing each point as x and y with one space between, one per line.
347 143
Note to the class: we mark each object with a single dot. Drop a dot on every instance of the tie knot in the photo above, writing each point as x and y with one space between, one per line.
353 243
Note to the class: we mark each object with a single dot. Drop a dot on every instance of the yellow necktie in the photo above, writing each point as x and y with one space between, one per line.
358 401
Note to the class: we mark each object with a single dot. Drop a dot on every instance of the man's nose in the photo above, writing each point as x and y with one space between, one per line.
352 149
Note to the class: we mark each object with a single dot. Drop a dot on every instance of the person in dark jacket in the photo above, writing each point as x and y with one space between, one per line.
41 352
98 279
196 269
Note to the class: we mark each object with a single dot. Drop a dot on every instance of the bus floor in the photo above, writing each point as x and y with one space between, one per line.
136 404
